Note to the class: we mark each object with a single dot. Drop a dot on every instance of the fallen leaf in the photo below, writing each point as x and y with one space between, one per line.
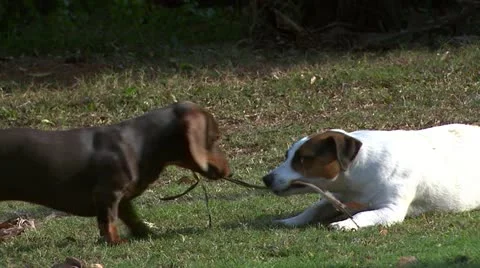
47 122
150 225
15 226
383 231
445 56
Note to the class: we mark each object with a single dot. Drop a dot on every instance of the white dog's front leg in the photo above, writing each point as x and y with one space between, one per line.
319 211
384 216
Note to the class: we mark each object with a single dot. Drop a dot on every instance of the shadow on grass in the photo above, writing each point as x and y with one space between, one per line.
222 196
263 222
60 73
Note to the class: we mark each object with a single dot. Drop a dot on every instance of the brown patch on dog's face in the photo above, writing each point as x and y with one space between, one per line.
325 155
203 137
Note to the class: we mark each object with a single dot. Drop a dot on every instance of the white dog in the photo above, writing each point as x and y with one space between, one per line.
392 173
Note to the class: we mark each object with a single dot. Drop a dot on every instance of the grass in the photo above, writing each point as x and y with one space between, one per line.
263 100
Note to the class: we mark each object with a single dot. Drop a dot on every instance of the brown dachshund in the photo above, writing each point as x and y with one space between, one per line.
97 171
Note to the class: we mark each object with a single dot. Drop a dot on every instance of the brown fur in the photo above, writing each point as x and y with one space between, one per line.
98 171
325 155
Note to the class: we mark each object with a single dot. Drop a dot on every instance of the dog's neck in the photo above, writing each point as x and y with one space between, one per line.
155 141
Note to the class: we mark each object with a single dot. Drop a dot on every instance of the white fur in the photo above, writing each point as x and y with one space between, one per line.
397 173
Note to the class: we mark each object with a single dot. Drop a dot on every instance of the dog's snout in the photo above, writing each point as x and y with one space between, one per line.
226 172
268 179
218 170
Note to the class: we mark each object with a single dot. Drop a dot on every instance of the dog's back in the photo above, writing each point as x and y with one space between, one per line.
451 183
443 160
391 174
23 155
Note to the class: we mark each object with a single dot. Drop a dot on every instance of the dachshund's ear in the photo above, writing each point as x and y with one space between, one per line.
196 132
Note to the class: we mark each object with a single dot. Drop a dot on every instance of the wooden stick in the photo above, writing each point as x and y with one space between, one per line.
206 200
206 204
184 193
331 198
245 184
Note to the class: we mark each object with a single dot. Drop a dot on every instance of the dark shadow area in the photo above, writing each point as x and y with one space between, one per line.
263 222
220 196
215 60
59 73
266 221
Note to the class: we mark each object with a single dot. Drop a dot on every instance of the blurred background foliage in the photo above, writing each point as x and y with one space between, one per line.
46 26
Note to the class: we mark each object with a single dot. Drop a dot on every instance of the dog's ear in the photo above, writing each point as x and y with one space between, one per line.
196 131
346 147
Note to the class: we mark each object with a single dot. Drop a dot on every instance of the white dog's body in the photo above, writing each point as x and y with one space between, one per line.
395 174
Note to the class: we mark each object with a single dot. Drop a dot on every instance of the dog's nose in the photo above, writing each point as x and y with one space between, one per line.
268 179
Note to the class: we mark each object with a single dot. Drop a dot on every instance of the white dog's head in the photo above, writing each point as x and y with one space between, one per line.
317 159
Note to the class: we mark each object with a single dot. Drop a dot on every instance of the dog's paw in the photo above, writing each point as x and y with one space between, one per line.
345 225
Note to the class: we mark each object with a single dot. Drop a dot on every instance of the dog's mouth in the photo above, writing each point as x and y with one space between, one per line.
214 173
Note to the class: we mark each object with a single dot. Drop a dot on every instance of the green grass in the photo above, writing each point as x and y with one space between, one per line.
263 100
